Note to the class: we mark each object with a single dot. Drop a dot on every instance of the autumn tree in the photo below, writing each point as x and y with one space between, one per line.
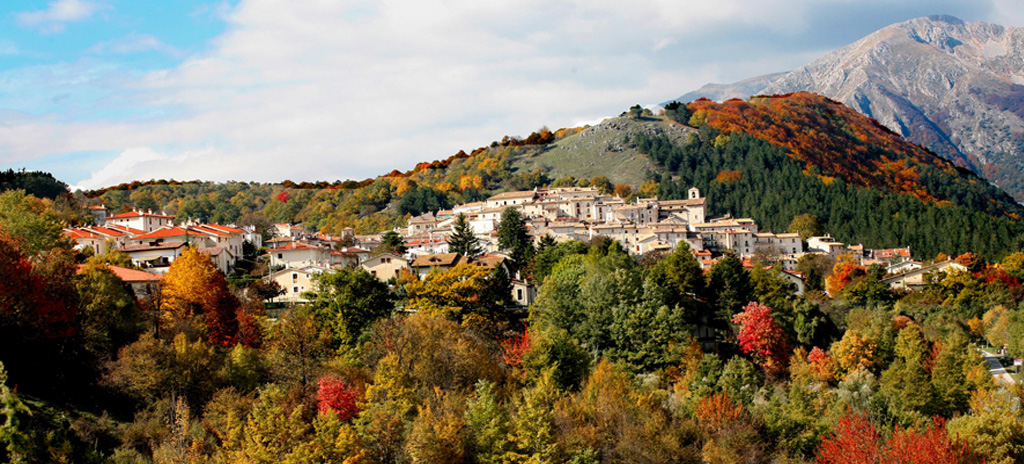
762 337
460 292
348 301
622 190
844 272
195 287
462 239
110 317
335 396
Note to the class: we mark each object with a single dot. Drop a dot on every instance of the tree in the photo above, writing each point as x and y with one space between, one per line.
109 316
806 225
348 301
488 425
730 286
762 337
11 407
462 240
513 237
195 287
623 190
635 111
678 112
459 293
335 396
602 184
31 222
391 242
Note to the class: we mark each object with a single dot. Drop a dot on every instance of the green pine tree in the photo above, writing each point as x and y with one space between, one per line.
462 240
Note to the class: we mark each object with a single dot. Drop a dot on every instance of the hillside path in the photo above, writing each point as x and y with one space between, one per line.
997 369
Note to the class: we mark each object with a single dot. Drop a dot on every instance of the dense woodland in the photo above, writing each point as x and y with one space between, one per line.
619 360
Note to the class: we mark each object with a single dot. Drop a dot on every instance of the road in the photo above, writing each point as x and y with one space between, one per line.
997 369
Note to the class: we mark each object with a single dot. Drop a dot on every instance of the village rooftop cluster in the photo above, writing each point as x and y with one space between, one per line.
647 225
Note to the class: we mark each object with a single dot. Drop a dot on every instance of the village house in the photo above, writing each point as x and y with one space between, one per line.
146 221
385 265
299 255
423 264
296 282
155 257
826 245
918 278
511 198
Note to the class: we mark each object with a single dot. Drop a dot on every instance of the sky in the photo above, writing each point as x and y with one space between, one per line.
100 92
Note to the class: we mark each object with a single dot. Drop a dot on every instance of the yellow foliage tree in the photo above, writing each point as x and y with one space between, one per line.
195 287
854 352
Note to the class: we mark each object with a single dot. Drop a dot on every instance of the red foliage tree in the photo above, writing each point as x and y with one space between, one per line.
336 396
283 196
853 441
856 441
761 336
514 348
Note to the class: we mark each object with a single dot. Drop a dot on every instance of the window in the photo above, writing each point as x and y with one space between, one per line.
280 256
295 277
519 294
373 273
295 289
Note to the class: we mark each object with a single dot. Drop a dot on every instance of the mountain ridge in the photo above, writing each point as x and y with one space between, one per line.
953 86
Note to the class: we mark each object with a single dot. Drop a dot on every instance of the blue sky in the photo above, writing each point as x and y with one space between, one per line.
107 91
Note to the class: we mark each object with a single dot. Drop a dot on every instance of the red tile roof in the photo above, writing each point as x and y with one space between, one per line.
163 232
125 229
161 246
441 259
297 246
127 275
133 214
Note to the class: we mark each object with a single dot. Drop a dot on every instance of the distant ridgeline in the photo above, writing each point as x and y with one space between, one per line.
37 183
772 158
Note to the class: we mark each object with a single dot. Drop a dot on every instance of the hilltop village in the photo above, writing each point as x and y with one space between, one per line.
646 226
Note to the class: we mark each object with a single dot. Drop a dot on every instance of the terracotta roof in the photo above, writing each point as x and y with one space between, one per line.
133 214
127 275
228 229
125 229
511 195
77 234
441 259
98 207
162 246
212 251
205 229
488 261
297 246
163 232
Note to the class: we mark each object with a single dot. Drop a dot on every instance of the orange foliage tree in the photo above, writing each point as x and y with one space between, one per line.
845 272
195 287
717 411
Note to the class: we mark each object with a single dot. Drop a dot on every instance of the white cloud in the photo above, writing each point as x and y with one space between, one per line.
324 90
57 14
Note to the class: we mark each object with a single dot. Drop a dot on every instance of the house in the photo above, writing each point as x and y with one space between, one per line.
298 255
903 267
385 265
145 285
295 282
523 293
918 278
348 257
147 221
796 279
779 244
422 224
826 245
287 230
155 257
426 246
423 264
511 198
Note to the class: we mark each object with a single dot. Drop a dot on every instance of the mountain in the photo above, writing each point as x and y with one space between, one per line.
952 86
741 89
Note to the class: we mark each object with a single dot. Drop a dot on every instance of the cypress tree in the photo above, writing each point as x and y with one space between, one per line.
462 240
